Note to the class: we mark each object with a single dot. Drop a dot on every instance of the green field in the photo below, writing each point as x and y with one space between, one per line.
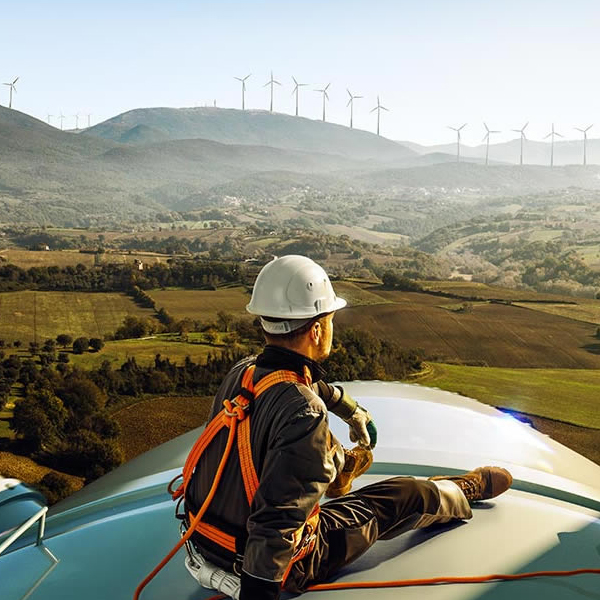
569 395
75 313
144 352
202 304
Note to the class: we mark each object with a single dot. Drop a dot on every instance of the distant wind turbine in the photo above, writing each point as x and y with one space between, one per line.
12 89
89 116
271 82
486 139
76 121
458 130
584 131
62 118
243 80
49 116
552 134
523 138
297 87
379 108
351 105
325 96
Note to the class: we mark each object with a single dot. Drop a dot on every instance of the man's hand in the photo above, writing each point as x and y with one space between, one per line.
362 428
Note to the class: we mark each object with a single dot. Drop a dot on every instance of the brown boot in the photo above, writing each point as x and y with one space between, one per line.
358 460
482 483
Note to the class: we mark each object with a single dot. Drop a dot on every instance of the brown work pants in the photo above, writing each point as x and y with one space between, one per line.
351 524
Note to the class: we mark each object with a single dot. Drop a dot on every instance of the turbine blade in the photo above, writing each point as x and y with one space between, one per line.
486 127
558 134
374 109
485 137
349 102
589 127
384 108
15 81
463 125
294 80
327 86
551 133
349 94
524 126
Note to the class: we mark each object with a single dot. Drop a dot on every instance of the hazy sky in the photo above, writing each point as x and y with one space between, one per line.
434 63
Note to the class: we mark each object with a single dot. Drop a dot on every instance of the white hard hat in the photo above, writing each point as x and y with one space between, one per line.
293 288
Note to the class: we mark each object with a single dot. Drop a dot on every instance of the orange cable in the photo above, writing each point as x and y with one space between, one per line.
199 515
441 580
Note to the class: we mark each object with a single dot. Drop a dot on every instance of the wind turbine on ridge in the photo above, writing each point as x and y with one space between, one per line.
325 95
243 80
351 105
12 89
76 121
48 117
379 108
458 130
297 87
584 131
271 83
552 134
62 118
522 132
89 119
486 139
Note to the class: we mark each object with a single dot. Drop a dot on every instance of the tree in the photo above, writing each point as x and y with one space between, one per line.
81 396
34 348
224 319
63 357
96 344
64 340
81 345
39 419
17 343
49 346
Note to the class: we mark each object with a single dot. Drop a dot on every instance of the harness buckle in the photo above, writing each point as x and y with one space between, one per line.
239 407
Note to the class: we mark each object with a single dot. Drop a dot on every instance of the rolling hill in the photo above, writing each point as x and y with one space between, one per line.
568 152
251 127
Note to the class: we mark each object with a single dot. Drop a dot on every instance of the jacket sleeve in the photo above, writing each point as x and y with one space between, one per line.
336 400
301 461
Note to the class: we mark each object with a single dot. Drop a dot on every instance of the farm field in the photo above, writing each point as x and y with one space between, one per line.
586 310
75 313
60 258
487 292
568 395
495 335
357 295
201 304
25 259
144 351
146 424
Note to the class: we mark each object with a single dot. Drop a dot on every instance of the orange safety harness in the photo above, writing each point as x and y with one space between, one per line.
235 415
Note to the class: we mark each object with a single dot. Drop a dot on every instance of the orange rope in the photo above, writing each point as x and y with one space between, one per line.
441 580
192 527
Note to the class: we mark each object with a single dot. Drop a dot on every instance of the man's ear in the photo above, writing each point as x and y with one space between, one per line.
316 332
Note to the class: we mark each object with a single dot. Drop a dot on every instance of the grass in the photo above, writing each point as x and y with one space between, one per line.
569 395
202 304
75 313
144 350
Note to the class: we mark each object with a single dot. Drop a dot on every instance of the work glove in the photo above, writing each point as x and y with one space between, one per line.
362 428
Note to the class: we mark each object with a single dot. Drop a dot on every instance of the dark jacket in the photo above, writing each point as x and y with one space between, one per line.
295 455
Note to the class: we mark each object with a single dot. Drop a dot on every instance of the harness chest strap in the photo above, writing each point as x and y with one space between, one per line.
304 537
